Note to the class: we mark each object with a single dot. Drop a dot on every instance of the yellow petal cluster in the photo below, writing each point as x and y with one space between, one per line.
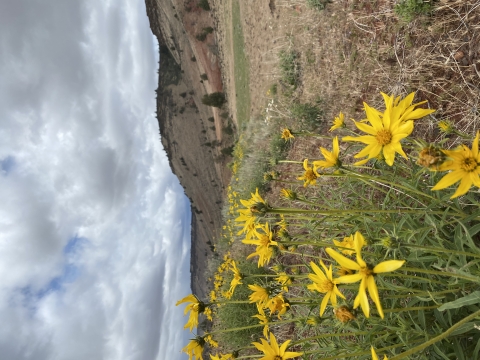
272 351
365 274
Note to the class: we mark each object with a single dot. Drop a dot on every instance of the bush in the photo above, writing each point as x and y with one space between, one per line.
204 5
216 99
208 30
407 10
201 37
317 4
204 77
193 58
309 115
289 67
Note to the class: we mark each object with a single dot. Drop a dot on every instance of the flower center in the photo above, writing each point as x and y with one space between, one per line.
264 240
310 175
384 137
325 286
277 357
469 164
366 272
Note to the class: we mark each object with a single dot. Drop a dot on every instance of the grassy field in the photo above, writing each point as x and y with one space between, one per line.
241 67
342 237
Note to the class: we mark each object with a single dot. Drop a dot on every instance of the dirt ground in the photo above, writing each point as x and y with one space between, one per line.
354 49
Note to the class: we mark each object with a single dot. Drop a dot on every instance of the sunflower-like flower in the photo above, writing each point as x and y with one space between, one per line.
310 175
284 280
287 134
222 357
263 320
278 304
387 130
374 355
338 122
196 307
274 352
237 277
253 208
288 194
331 158
324 284
194 348
446 127
464 164
263 240
260 295
365 274
347 245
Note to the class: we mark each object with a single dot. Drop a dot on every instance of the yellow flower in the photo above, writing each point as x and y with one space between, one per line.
195 308
263 320
374 355
253 207
387 130
288 194
194 348
210 341
365 274
331 158
287 134
284 280
338 122
445 126
213 296
324 284
465 166
221 357
274 352
237 277
208 313
310 176
260 296
262 241
346 245
278 303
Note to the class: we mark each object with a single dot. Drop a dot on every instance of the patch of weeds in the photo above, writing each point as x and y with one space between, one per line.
228 151
204 5
208 30
317 4
272 90
309 115
193 58
201 37
228 130
407 10
211 119
289 67
224 115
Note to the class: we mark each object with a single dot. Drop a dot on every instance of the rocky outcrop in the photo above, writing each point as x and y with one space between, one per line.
191 132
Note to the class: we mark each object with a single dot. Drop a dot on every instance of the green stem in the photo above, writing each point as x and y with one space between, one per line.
434 249
442 336
350 211
414 308
254 326
440 273
323 336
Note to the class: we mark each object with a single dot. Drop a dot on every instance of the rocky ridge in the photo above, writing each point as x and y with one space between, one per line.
191 132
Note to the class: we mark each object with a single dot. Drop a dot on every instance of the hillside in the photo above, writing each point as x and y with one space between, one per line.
191 132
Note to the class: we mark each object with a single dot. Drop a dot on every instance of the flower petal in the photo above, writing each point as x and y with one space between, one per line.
373 291
388 266
342 260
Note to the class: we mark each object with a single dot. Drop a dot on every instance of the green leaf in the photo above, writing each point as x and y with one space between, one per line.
470 299
463 328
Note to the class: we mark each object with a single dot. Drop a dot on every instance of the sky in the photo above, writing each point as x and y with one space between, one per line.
94 227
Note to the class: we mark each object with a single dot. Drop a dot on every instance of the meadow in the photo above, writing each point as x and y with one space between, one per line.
352 222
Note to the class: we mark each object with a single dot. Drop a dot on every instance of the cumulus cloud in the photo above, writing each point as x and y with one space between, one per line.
94 228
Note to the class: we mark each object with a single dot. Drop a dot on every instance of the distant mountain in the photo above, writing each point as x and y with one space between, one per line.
191 132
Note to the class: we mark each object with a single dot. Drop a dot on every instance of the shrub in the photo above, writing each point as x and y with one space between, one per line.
309 115
317 4
201 37
289 67
204 5
407 10
208 30
193 58
216 99
204 77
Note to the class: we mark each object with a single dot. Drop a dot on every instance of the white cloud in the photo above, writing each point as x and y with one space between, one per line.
94 228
